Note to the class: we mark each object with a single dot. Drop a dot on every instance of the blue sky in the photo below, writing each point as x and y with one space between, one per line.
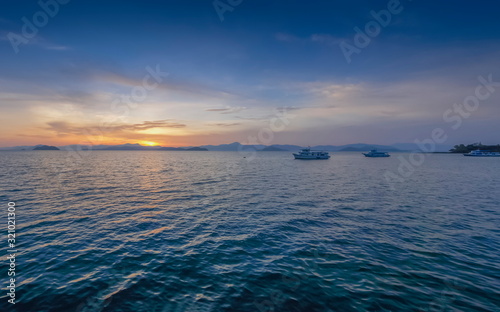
227 78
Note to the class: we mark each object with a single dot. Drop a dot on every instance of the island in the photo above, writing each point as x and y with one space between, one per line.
272 149
46 148
464 149
197 149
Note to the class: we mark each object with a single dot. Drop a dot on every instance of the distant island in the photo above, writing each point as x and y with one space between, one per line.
194 149
234 147
197 149
46 148
476 146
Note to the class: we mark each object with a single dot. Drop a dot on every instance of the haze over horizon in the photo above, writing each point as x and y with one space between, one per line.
174 73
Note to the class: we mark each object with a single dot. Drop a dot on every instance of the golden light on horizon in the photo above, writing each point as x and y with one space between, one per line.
148 143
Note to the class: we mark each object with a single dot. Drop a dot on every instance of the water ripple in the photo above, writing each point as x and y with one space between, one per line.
172 231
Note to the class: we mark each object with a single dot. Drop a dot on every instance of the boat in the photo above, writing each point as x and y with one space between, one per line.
375 153
479 153
307 153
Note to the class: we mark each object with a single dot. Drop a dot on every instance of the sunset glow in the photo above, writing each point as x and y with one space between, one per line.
159 82
148 143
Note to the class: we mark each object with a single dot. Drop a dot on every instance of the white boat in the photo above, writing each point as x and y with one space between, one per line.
479 153
375 153
307 153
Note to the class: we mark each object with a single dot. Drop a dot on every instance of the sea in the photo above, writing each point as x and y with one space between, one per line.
177 231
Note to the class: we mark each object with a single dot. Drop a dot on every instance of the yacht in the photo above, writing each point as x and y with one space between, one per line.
307 153
375 153
479 153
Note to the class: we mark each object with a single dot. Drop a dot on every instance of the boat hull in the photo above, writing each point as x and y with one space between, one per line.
307 153
481 155
376 156
310 157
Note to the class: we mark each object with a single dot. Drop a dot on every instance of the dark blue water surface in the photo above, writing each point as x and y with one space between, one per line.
213 231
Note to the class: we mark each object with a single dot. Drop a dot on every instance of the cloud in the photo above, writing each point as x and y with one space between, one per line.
150 125
325 39
226 110
255 118
283 110
35 41
217 109
63 128
316 38
227 124
168 84
34 136
57 47
332 90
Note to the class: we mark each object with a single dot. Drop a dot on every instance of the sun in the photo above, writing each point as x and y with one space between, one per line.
148 143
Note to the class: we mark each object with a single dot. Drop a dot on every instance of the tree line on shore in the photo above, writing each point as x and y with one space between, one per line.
461 148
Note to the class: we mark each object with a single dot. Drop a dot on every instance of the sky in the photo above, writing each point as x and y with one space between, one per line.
187 73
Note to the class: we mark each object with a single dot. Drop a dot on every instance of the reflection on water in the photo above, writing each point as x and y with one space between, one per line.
212 231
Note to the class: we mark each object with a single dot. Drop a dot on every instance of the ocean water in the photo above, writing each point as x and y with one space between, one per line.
213 231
